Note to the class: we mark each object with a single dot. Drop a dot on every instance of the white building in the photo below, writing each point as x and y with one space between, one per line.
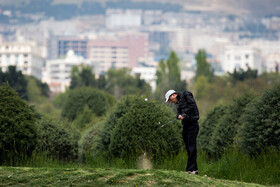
148 74
242 57
272 62
58 72
26 56
116 18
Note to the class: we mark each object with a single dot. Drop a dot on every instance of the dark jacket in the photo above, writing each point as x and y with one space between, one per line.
186 105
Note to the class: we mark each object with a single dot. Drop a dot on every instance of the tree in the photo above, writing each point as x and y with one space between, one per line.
16 80
101 82
138 131
56 141
18 131
98 102
208 126
168 76
203 67
261 122
82 76
225 132
241 75
120 82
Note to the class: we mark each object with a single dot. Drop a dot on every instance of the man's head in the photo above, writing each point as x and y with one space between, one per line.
171 96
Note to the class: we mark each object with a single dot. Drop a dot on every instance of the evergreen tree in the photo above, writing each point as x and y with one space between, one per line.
82 76
138 131
97 101
120 82
169 76
225 132
56 141
261 122
18 131
16 80
241 75
208 126
203 67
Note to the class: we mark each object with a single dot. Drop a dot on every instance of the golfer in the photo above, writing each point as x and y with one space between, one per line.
188 113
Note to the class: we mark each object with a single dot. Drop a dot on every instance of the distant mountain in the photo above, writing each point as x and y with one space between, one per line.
236 7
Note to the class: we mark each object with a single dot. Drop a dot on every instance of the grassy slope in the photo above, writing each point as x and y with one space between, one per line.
17 176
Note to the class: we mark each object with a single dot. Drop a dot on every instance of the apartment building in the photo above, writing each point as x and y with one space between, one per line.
58 46
242 57
26 56
125 50
57 73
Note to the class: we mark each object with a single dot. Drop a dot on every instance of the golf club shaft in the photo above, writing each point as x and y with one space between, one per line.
169 122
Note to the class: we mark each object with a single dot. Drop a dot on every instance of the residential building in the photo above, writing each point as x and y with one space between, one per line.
147 73
118 18
242 57
26 56
58 46
272 62
57 73
124 50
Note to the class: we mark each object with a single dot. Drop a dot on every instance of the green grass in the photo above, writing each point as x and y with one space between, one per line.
27 176
263 168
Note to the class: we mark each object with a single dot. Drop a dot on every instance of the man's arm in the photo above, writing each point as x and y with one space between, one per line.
190 103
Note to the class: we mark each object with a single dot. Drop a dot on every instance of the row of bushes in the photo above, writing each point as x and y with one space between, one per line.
250 123
24 131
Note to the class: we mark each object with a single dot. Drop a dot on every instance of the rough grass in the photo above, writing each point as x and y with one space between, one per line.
27 176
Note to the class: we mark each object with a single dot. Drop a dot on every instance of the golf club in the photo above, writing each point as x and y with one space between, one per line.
172 120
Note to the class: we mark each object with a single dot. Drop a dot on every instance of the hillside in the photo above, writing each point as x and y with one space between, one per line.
251 7
23 176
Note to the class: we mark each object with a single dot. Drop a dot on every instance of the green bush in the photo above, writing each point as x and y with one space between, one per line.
261 122
17 126
138 131
207 127
228 125
121 108
98 102
89 142
56 141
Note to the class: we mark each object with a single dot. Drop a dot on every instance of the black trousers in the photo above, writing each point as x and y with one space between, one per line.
190 131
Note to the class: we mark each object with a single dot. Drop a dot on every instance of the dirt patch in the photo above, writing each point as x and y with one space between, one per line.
150 183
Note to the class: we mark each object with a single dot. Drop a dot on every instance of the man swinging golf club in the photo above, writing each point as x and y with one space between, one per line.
188 113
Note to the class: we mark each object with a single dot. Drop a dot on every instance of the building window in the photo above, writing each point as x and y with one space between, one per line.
237 58
247 56
25 62
8 58
25 55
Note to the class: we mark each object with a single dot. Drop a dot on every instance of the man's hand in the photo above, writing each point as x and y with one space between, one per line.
180 117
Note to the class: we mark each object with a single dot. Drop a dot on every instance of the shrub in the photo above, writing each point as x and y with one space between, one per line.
228 125
208 126
56 141
261 122
111 121
98 102
138 131
17 126
89 142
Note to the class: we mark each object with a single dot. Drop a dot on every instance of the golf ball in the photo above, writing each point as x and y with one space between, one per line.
146 99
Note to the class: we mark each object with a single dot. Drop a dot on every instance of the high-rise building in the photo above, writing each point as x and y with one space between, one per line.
242 57
123 51
26 56
58 46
